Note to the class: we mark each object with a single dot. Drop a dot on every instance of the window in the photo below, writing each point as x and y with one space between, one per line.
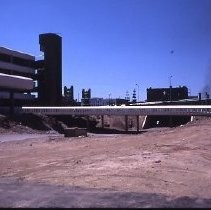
5 57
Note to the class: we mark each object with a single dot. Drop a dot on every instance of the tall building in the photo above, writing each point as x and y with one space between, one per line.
86 95
69 93
50 70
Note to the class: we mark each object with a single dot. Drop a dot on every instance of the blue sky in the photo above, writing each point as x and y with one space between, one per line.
112 45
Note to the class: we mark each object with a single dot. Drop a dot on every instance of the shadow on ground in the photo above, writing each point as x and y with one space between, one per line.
18 193
113 131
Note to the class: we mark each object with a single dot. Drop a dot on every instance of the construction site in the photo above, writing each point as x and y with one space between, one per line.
56 152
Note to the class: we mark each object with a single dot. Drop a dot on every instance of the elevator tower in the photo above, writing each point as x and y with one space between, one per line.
50 75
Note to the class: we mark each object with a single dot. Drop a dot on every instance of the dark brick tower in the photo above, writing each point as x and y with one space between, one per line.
50 75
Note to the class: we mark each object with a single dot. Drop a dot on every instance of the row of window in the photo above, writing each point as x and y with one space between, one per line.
17 60
17 73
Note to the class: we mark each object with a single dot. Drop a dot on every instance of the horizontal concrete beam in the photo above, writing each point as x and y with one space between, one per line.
122 110
16 68
14 82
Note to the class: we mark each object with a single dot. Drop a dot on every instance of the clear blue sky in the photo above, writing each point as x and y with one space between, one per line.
112 45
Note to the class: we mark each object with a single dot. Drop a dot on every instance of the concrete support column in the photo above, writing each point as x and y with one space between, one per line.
102 121
126 123
137 122
170 121
11 103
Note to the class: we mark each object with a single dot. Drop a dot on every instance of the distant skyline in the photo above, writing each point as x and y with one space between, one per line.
112 45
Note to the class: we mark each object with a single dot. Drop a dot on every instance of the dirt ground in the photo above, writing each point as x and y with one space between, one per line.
160 167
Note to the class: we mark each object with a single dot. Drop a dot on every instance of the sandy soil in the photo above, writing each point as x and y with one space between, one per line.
170 162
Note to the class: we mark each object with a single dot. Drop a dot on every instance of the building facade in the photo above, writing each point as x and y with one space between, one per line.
167 94
107 101
15 66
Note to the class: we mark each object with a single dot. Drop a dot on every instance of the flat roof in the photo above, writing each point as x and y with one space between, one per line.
16 53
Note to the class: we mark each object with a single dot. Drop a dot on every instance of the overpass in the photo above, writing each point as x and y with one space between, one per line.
170 110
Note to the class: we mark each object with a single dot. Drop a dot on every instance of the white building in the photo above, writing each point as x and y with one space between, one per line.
105 102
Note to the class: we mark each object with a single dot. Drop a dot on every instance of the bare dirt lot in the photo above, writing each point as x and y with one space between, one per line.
161 167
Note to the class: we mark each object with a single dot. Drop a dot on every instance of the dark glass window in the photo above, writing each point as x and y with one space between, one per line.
5 57
20 61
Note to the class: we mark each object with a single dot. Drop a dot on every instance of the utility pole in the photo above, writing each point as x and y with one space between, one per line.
170 87
109 99
170 117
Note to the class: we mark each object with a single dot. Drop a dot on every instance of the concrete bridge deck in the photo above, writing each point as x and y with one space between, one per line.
171 110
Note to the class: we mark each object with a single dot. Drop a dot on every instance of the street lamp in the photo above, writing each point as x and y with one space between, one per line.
138 92
170 87
109 100
170 80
